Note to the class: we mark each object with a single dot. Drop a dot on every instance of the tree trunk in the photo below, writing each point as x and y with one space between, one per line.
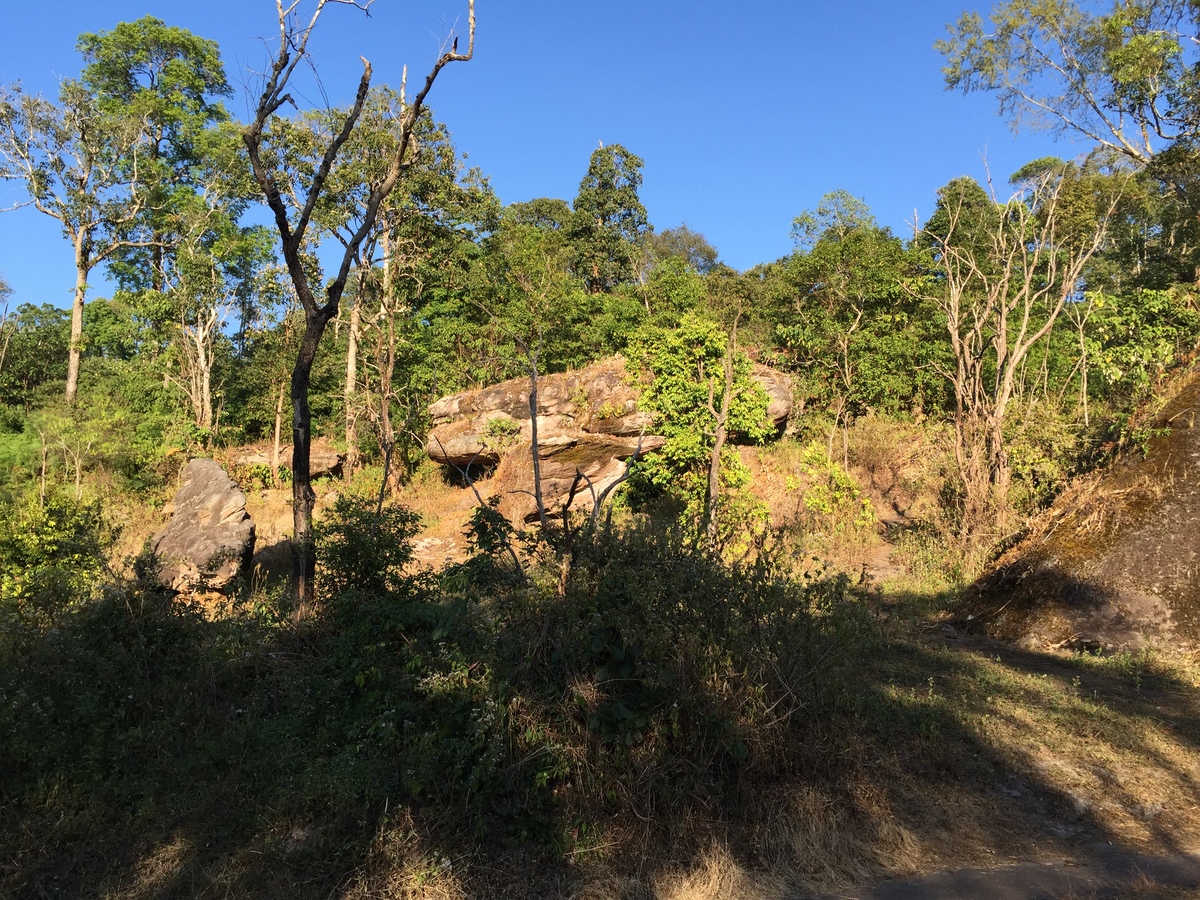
352 383
75 351
533 438
278 434
1000 475
720 433
304 558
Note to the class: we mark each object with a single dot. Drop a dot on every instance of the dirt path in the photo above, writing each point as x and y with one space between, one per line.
1108 873
1164 869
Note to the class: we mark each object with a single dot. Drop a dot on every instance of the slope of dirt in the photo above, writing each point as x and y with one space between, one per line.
1114 563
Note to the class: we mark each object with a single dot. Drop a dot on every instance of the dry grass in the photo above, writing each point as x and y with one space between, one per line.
717 875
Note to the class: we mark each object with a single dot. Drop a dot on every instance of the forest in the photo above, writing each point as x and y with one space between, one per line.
722 682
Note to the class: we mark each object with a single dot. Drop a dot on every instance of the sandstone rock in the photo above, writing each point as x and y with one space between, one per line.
602 458
323 458
210 538
1113 563
481 426
778 386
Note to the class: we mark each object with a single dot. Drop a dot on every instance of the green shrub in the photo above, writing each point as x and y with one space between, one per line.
52 556
363 549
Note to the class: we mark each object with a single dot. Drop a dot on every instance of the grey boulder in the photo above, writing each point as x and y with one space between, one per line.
209 540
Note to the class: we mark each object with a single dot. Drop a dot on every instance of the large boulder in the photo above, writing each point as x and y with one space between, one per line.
1114 563
598 461
480 427
209 540
323 458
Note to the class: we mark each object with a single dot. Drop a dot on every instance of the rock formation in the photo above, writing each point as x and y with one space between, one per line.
1115 562
210 538
323 458
587 420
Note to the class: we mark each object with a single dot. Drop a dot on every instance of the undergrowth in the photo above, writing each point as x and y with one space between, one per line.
481 710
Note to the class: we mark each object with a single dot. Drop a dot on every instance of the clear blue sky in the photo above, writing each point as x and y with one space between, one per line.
745 113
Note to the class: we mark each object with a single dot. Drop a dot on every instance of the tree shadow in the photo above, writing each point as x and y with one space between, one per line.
151 752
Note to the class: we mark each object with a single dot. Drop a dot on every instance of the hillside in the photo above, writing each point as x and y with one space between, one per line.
1113 564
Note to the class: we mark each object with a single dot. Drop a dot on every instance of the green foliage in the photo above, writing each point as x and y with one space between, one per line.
363 549
682 380
661 669
688 247
672 290
838 215
832 498
608 219
1044 445
52 557
844 319
659 649
1136 337
1120 78
36 353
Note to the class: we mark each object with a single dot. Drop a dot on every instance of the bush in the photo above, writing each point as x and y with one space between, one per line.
52 554
363 549
669 672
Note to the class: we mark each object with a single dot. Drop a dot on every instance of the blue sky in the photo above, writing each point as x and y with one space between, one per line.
745 113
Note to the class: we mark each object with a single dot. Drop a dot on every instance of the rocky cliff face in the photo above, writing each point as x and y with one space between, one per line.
587 420
1115 563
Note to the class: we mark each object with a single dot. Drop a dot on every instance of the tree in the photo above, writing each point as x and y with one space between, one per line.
697 384
79 166
608 220
1124 79
292 204
414 240
843 317
680 243
168 82
7 323
1002 273
34 341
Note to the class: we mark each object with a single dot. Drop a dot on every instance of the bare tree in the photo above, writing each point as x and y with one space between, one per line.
197 356
293 219
1006 271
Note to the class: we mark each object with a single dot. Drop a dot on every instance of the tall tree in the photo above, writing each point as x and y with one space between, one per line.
78 165
680 243
169 82
1124 79
842 316
1004 272
608 220
293 204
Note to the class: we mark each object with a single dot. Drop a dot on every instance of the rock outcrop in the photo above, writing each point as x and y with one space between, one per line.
601 459
480 427
209 540
1115 563
587 420
323 458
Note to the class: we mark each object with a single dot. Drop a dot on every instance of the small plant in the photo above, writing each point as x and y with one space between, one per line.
501 432
830 495
610 409
52 553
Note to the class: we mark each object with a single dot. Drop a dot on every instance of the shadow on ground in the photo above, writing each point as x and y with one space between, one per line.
155 753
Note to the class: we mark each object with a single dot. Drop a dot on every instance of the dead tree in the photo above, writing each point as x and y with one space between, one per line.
292 220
